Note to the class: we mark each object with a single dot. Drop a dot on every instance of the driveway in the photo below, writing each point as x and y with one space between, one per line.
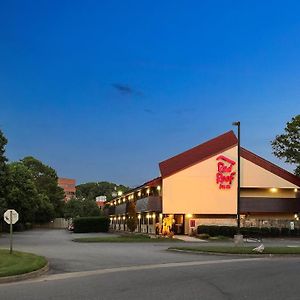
67 256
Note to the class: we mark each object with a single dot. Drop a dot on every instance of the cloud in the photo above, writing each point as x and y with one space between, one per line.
149 111
125 89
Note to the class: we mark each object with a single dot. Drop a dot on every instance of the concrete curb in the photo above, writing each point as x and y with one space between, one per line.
254 255
25 276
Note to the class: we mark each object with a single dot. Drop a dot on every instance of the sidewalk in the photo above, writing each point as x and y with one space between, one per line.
187 238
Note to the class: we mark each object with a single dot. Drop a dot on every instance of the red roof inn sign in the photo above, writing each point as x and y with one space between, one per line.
225 175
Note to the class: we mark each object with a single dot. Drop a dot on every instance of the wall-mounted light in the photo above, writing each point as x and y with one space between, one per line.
120 193
139 193
295 190
158 187
189 215
274 190
153 215
124 218
147 216
139 217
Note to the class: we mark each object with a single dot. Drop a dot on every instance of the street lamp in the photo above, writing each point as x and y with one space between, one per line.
238 124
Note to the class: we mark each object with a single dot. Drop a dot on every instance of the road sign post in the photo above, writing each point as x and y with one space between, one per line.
11 217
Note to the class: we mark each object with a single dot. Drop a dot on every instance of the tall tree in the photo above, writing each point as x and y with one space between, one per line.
287 145
91 190
45 179
22 193
132 220
3 173
81 207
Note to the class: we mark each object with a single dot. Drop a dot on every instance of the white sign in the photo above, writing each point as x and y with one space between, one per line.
101 199
11 213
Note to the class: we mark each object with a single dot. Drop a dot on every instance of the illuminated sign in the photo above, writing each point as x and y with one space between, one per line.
225 175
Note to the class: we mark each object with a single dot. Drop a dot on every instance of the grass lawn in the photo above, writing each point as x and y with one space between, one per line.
19 263
240 250
136 238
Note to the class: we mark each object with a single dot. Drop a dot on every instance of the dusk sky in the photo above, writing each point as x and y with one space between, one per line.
104 90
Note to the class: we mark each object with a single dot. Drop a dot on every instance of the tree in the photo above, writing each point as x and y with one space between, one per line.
3 173
287 145
132 220
45 179
22 193
81 207
91 190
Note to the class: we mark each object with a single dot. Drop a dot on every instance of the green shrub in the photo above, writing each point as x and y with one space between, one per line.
274 232
91 224
215 230
285 232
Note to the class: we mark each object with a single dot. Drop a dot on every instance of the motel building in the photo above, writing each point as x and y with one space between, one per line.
199 187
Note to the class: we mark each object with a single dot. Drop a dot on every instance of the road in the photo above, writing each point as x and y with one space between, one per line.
147 271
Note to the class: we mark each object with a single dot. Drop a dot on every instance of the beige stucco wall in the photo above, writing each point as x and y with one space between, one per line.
254 176
194 190
267 193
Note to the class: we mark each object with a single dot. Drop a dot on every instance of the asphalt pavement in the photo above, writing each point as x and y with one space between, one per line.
148 271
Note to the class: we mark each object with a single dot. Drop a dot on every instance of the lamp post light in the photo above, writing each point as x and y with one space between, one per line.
238 124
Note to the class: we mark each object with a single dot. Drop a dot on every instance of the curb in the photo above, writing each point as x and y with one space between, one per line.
227 254
25 276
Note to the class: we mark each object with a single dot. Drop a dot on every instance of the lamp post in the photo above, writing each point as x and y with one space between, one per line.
238 124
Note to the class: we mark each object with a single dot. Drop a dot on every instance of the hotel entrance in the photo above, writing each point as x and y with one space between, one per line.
178 227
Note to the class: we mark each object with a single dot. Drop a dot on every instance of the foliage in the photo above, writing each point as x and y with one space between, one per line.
287 145
81 207
91 224
45 179
132 220
230 231
3 173
91 190
45 211
22 193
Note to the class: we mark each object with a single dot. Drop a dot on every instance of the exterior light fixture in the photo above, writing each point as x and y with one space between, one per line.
120 193
124 218
189 215
295 190
147 216
139 193
124 200
153 215
139 217
158 187
274 190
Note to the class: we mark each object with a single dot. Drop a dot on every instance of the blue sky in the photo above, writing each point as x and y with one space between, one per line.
104 90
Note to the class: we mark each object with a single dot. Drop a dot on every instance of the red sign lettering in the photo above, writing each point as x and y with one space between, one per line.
225 176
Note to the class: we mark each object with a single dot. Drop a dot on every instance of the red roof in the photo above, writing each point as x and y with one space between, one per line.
215 146
267 165
197 154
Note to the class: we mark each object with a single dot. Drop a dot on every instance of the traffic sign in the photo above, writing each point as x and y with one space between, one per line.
11 216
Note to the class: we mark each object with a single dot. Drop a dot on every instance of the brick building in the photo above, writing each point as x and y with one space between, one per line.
69 187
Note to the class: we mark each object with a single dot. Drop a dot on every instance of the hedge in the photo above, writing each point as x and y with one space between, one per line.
230 231
91 224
